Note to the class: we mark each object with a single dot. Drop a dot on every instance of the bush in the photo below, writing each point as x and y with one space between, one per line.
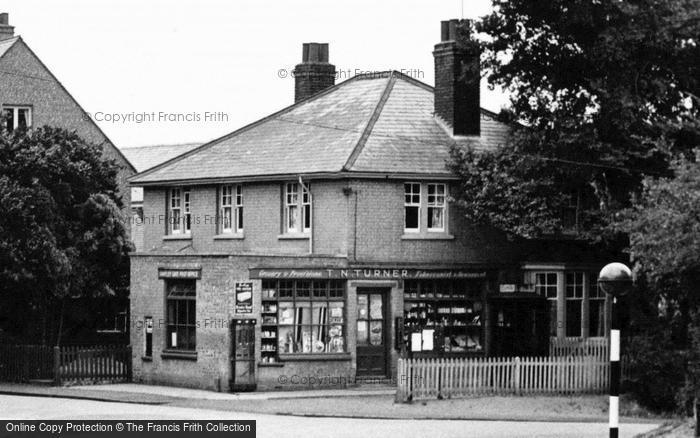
657 373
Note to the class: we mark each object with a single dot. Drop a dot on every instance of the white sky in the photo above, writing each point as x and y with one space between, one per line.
186 56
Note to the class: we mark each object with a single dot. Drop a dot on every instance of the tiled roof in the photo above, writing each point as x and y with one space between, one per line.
145 157
376 124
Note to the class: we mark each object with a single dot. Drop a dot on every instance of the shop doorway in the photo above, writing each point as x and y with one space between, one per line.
372 332
520 326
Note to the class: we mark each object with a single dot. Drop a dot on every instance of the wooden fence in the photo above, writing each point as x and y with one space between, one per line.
65 365
448 378
23 363
596 347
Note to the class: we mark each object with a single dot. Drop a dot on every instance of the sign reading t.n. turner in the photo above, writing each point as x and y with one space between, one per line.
362 273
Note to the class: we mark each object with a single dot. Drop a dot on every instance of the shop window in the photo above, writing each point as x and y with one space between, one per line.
436 207
180 216
546 285
231 212
596 311
574 303
17 117
181 315
297 208
310 316
452 306
411 207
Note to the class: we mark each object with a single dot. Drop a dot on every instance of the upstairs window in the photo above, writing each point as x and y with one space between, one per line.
411 207
180 220
15 117
231 209
297 208
436 207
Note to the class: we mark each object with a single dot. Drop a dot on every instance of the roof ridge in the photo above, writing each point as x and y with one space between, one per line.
163 145
370 123
242 129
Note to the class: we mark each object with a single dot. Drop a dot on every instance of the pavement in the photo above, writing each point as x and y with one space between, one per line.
28 407
359 403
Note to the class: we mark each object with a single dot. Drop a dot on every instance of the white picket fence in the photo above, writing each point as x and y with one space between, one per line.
597 347
462 377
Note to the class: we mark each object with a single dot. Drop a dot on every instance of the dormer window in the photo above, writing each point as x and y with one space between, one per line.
17 117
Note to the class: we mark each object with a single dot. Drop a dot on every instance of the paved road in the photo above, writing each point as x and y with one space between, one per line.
41 408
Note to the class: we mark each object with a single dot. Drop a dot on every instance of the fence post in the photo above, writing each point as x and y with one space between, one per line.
516 375
57 365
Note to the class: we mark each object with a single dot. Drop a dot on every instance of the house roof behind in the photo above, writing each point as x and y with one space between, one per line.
146 157
379 123
6 44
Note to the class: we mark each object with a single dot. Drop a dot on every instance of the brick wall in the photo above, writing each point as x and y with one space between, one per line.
28 82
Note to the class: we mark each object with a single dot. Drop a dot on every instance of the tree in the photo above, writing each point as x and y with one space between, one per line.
62 233
605 93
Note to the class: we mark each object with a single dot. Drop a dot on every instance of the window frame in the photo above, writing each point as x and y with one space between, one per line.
412 204
183 225
573 298
231 199
553 325
15 116
297 204
335 292
436 205
187 298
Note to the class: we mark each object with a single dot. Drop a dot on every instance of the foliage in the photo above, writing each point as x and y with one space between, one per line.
62 233
603 91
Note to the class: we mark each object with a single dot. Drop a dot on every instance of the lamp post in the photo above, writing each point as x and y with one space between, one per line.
615 279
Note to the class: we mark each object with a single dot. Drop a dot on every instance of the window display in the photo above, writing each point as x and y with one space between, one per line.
309 316
455 306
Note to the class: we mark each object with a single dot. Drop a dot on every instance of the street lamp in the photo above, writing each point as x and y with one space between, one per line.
615 279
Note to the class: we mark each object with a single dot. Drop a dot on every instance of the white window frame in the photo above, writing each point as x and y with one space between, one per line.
409 201
179 202
575 286
297 206
596 295
542 288
436 203
291 208
15 114
231 208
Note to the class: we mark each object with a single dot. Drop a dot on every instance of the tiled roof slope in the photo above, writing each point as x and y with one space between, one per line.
371 124
145 157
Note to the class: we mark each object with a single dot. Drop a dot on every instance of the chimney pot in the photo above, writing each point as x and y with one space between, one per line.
6 31
314 74
457 82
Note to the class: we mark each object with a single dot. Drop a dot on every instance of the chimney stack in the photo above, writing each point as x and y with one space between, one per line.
457 81
6 31
314 74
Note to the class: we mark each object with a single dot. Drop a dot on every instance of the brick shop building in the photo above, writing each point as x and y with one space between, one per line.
312 246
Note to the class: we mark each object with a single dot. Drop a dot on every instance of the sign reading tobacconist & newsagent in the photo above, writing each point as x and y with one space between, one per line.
362 274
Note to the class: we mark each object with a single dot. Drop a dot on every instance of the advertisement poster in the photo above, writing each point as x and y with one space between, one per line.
244 297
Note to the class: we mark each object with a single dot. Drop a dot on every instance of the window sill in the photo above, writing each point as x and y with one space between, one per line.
229 236
270 364
178 237
179 354
314 357
294 236
427 236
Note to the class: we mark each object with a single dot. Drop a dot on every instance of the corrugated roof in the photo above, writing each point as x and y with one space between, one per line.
146 157
376 123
